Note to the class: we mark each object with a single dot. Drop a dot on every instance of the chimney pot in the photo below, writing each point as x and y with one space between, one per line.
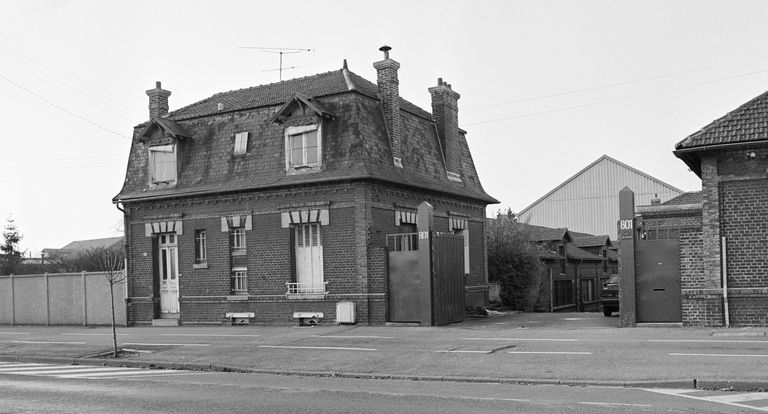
157 85
386 50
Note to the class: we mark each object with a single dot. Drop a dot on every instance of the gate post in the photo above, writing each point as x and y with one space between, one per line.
424 223
627 308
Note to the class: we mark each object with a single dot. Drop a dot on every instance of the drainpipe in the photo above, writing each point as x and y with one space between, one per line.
725 283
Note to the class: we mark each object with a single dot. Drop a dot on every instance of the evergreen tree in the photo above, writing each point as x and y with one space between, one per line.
10 256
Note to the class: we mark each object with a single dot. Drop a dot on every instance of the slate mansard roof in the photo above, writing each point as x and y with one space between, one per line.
355 145
744 125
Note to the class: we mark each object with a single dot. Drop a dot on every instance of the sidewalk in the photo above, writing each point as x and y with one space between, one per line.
572 348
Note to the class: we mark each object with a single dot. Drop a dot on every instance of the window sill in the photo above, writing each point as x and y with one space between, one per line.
239 252
237 297
203 265
303 169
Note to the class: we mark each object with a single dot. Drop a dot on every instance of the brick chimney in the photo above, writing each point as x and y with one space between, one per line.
158 101
389 95
445 110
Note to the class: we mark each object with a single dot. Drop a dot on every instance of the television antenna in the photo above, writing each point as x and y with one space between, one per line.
281 51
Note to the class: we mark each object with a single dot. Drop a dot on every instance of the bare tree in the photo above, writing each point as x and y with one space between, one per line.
109 261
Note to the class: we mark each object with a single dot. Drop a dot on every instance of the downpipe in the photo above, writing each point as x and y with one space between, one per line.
724 267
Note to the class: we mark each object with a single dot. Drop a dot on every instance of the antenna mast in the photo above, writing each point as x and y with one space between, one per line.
281 51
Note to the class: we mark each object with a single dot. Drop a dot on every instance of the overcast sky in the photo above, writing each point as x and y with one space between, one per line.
547 87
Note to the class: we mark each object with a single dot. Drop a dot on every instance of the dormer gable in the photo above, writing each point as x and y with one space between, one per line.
300 106
162 129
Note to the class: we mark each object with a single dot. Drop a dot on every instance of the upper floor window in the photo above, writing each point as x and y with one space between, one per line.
162 163
238 241
303 146
241 143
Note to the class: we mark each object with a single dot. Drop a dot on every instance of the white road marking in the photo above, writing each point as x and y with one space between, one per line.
716 341
161 344
14 333
91 334
211 335
80 371
722 355
550 352
338 348
354 336
613 404
733 399
49 342
524 339
459 351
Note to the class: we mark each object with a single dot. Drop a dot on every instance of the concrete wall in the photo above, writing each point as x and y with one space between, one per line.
60 299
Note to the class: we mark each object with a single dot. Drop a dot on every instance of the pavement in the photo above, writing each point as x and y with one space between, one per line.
535 348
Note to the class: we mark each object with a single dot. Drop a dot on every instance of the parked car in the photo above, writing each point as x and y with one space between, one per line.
609 295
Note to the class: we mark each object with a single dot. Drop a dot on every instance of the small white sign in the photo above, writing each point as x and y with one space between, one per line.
625 224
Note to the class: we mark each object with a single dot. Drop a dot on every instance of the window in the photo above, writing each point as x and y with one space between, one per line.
200 246
241 143
239 281
238 240
303 146
561 252
162 163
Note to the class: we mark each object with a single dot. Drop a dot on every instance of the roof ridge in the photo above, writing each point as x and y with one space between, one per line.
721 119
250 88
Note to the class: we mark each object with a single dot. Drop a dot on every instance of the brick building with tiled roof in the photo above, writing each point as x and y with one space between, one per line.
720 234
277 199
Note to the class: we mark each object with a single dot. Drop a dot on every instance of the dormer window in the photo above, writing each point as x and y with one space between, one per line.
241 143
303 147
162 164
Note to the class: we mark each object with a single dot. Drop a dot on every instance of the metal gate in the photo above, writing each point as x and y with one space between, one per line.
442 283
447 278
404 283
657 280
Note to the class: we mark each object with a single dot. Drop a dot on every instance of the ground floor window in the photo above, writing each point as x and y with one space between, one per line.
239 281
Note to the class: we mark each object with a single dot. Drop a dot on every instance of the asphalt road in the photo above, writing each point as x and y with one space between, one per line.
35 388
572 348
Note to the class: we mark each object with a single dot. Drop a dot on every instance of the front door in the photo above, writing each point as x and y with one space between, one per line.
657 281
309 257
169 273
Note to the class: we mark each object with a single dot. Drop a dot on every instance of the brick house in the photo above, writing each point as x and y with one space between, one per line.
279 198
730 155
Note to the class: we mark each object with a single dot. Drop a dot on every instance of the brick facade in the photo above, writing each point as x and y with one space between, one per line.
352 192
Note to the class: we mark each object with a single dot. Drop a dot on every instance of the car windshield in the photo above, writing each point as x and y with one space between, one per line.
614 279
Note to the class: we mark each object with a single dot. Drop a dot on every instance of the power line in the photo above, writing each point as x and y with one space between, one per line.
61 74
614 100
611 85
42 98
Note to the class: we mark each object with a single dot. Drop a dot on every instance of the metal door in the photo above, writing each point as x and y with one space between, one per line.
447 278
169 273
657 281
404 283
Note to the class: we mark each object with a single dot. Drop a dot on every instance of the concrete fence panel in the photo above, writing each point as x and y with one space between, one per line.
60 299
65 299
6 301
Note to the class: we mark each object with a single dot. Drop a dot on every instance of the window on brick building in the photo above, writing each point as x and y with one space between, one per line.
162 163
201 254
303 147
238 241
465 234
239 281
241 143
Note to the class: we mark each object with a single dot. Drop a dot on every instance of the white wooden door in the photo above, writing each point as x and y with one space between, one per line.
169 273
309 256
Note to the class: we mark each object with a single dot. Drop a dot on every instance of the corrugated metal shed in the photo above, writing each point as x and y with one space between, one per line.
588 202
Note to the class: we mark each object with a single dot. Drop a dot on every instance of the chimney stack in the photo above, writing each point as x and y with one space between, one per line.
445 110
389 95
158 101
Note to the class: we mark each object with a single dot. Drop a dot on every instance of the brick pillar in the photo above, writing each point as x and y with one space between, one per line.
710 222
389 95
627 235
445 110
158 101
